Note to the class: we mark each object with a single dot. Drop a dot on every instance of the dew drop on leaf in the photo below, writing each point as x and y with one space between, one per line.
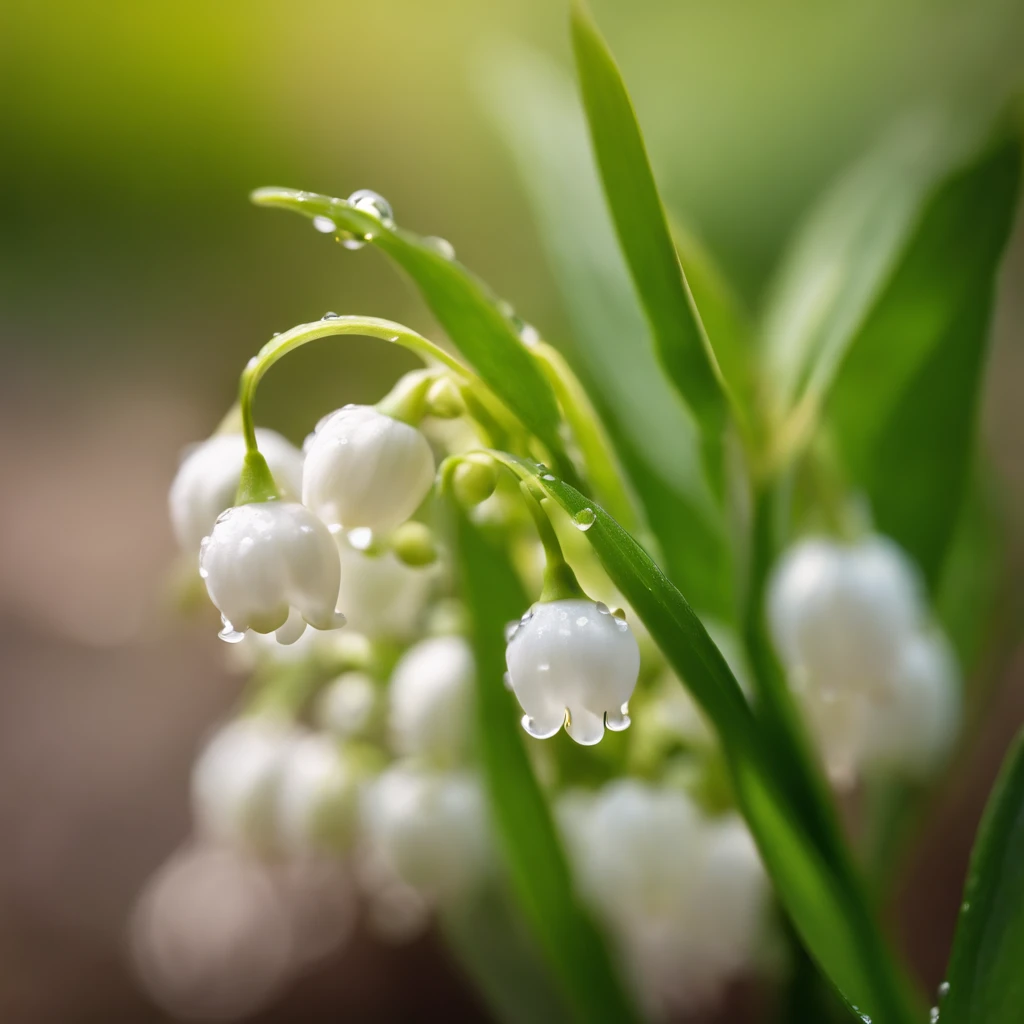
441 246
324 225
584 519
367 201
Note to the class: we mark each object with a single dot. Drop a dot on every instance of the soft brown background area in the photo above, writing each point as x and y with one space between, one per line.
135 280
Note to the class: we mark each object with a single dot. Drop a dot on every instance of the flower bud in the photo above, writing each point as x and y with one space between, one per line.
316 797
265 559
474 479
235 780
431 829
572 661
444 399
413 545
430 696
208 476
366 469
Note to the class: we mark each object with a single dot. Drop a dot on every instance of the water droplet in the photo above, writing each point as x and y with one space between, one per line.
511 628
505 308
548 476
441 246
529 335
252 364
507 680
933 1015
944 990
335 528
620 624
330 315
361 538
367 201
584 519
277 334
349 241
603 608
526 616
544 666
582 620
965 906
229 634
203 573
324 225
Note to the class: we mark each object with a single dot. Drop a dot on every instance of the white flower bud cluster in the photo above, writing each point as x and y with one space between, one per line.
878 682
683 894
278 566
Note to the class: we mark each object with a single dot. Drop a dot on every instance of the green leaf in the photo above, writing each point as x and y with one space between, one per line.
904 404
985 980
534 105
840 258
523 823
826 907
642 228
462 304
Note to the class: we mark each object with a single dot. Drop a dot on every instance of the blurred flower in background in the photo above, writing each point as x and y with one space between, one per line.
135 281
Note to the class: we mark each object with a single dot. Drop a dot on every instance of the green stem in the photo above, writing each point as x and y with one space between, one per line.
560 583
601 463
370 327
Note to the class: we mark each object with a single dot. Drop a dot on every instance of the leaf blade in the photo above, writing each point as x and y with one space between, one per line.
642 227
462 305
985 983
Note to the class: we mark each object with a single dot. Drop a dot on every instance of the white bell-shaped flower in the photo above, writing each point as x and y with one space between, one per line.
366 469
269 565
839 613
235 782
684 895
382 596
430 697
429 828
207 481
914 728
348 706
572 662
316 796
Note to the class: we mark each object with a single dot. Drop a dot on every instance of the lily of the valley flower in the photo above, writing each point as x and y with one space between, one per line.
266 560
879 688
685 895
572 662
366 469
429 828
208 476
430 695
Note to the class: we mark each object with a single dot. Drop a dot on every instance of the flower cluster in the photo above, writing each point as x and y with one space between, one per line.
877 681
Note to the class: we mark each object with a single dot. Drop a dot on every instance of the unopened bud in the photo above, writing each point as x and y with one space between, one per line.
474 479
444 399
413 544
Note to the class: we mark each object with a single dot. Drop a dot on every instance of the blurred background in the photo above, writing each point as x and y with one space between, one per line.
136 279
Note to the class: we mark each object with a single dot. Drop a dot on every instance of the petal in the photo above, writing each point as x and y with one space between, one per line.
585 727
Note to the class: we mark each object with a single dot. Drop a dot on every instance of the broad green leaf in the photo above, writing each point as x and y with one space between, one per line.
904 404
538 114
985 983
826 907
841 256
522 820
643 230
462 304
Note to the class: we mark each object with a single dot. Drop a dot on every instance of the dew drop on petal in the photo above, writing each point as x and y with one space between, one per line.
203 573
229 634
507 680
582 620
526 616
361 538
511 628
603 608
324 225
584 519
441 246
